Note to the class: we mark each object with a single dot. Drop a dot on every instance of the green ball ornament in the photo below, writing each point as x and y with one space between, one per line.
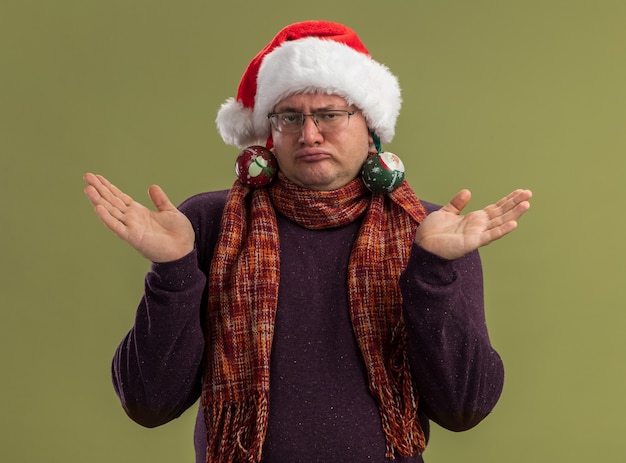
383 172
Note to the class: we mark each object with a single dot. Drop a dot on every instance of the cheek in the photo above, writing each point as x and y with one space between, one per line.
366 147
281 158
358 163
281 144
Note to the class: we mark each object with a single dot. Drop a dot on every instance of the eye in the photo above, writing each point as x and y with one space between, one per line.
328 115
290 118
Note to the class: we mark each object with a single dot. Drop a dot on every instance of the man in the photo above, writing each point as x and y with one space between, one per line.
316 320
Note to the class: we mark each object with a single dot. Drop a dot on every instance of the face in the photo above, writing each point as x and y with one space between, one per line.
318 160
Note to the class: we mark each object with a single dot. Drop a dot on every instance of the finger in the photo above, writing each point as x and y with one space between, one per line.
458 203
112 222
103 193
511 207
91 189
99 189
94 196
95 182
514 198
519 210
90 178
498 232
113 193
160 199
505 224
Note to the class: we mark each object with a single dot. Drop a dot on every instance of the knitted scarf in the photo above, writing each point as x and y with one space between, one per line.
243 295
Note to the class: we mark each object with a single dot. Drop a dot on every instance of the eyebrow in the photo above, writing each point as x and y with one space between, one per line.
330 107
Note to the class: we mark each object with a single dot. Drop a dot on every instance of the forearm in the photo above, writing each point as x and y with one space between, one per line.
156 367
458 373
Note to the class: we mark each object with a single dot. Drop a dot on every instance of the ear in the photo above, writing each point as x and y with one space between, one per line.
370 142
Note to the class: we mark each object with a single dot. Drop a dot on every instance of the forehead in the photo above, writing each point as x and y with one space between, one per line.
311 101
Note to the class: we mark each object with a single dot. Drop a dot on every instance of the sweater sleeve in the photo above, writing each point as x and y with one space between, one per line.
459 375
156 367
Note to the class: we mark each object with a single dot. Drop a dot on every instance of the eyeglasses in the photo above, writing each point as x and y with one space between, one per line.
331 120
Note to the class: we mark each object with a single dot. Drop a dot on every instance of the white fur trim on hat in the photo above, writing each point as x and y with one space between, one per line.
314 65
235 124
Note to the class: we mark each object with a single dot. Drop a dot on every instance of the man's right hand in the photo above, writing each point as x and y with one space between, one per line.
163 235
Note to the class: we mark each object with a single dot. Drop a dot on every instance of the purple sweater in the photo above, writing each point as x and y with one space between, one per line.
320 406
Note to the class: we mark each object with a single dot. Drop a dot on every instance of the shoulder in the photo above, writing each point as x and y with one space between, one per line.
205 204
204 211
430 207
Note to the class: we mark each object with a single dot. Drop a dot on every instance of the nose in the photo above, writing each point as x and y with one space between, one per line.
310 133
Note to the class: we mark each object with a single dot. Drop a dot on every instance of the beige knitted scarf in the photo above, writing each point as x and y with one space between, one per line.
243 295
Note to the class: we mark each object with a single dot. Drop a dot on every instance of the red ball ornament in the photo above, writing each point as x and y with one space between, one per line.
256 166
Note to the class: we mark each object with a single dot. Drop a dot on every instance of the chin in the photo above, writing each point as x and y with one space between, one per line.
321 180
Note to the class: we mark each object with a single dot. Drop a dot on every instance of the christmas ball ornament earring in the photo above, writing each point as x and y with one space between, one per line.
382 172
256 166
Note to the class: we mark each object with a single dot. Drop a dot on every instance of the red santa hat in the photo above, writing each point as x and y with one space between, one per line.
310 57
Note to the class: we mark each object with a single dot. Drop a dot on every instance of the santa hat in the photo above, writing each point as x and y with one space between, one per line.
310 57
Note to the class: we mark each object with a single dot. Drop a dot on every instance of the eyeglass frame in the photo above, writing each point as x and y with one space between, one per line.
312 115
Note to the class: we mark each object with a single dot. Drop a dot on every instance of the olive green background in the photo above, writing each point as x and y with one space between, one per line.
497 95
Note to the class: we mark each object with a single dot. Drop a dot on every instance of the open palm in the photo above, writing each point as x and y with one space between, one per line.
163 235
451 235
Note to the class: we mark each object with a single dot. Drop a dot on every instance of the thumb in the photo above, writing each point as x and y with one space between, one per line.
160 199
458 203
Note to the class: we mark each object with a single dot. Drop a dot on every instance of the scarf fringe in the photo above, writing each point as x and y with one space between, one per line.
236 430
403 432
398 403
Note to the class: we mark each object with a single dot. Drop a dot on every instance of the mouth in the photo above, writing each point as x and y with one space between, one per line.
311 155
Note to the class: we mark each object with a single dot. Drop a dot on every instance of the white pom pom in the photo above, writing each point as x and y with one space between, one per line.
234 123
